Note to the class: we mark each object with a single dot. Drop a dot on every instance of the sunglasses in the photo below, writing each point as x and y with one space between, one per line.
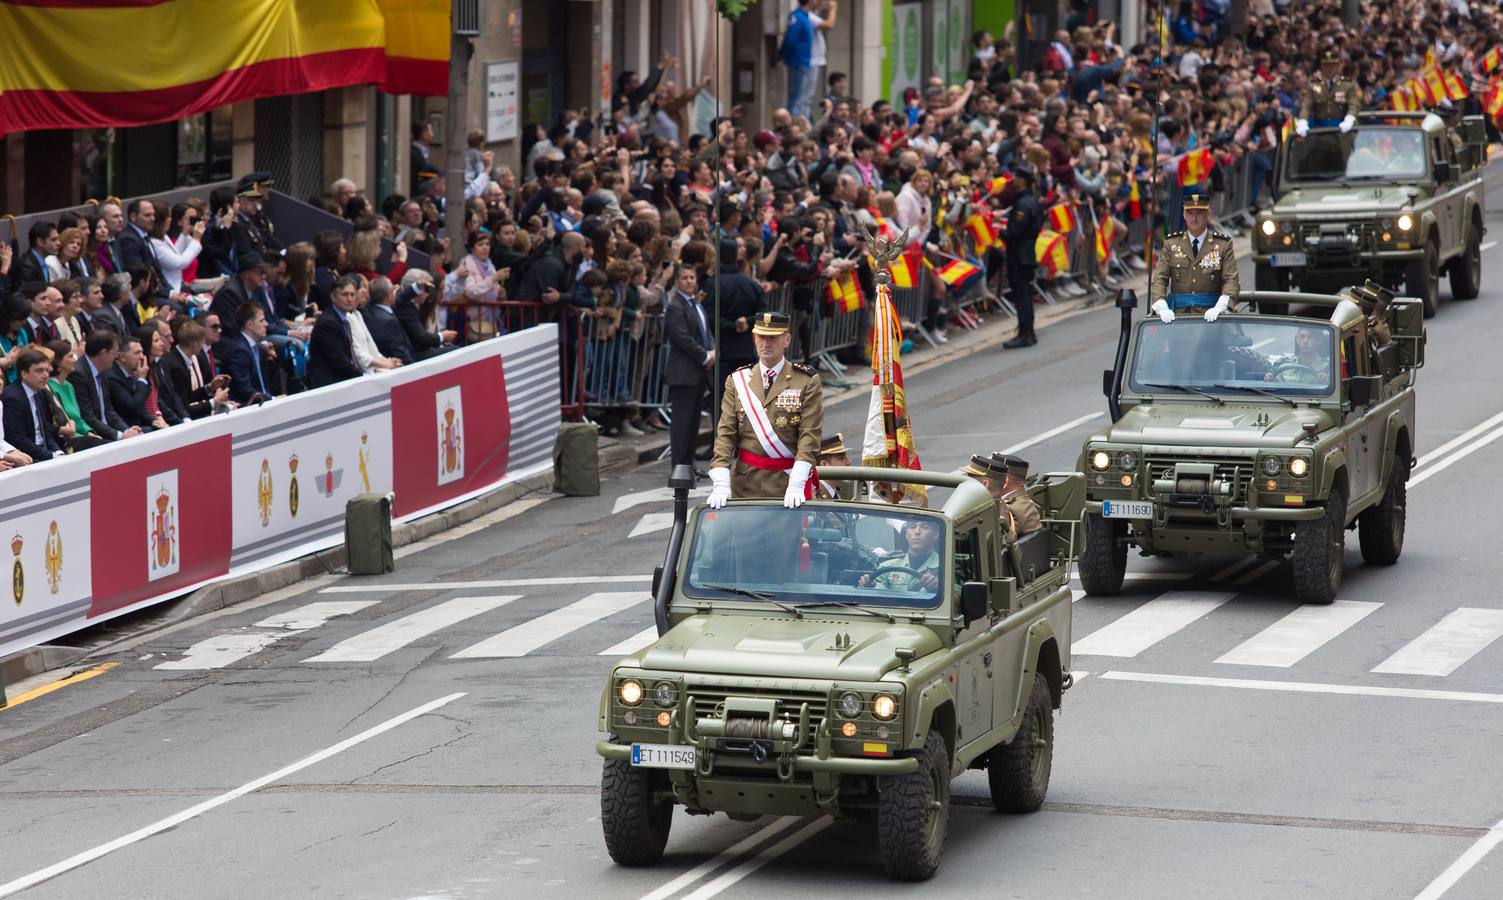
213 327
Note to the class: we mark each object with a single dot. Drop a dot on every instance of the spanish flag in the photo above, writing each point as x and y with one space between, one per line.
66 67
1422 92
845 292
905 268
889 433
982 232
1104 236
1493 102
1430 62
956 273
1052 253
1134 200
1455 87
1436 83
1490 61
1403 99
1062 217
1195 167
1000 183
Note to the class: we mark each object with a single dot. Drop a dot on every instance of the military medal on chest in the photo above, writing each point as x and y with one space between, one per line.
789 400
1212 259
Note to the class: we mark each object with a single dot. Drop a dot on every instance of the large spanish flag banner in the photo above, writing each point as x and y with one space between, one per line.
119 63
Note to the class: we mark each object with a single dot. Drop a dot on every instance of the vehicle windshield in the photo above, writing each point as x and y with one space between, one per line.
1234 357
819 554
1386 153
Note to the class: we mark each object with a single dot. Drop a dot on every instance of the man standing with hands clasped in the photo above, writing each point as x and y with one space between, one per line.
771 415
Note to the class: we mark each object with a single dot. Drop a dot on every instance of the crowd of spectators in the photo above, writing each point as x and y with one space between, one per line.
139 316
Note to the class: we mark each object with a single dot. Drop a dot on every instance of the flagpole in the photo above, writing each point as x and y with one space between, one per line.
1153 178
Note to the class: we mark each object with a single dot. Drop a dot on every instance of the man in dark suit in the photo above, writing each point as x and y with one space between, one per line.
46 302
740 301
331 351
91 390
108 317
129 389
29 426
425 344
190 378
239 355
32 265
249 286
381 322
134 242
691 357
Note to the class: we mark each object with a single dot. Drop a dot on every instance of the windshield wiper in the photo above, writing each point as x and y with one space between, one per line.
755 595
849 604
1256 390
1184 387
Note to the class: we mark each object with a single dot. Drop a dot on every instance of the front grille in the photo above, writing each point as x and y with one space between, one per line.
1239 473
709 703
1329 239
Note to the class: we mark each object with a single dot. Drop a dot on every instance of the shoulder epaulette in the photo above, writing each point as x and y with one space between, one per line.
1224 237
1173 235
800 367
747 366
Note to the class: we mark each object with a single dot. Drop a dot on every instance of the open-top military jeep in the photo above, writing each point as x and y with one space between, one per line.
844 658
1257 432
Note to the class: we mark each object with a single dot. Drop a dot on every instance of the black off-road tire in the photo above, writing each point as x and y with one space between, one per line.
1422 279
1318 545
636 826
1465 271
1267 278
1103 560
1018 772
1380 528
913 815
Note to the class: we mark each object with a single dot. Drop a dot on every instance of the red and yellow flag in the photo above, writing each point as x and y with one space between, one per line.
1455 86
1490 61
199 55
1134 200
1492 102
1403 99
1000 183
905 268
1052 253
1062 217
1104 237
845 292
982 233
1195 167
889 433
1423 92
1435 83
956 273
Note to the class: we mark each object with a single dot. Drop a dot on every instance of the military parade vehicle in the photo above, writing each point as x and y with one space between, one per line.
845 658
1398 199
1269 433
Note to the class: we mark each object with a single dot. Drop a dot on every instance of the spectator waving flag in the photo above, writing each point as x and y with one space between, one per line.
1062 217
845 293
1051 252
889 434
1195 167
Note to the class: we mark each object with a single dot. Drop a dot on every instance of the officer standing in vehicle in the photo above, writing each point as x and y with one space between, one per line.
1196 269
1331 99
771 415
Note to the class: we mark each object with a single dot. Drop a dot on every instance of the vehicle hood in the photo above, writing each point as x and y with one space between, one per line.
1205 425
786 647
1342 201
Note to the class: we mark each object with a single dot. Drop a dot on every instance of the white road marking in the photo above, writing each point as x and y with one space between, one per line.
724 858
1259 572
220 650
1232 569
656 495
1462 634
1076 594
368 588
632 644
761 859
172 821
1298 634
1046 435
1458 440
1304 687
393 636
1463 453
652 522
527 637
1487 245
1079 675
1148 624
1463 864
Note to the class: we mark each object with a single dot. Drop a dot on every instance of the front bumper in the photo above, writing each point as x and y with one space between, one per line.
840 765
1316 259
1243 513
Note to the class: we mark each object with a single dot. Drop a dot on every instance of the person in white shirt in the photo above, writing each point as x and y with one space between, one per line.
174 254
822 17
367 354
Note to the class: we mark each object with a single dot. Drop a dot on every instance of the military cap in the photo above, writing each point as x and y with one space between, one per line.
1197 201
253 185
770 324
833 445
1332 55
993 466
1017 466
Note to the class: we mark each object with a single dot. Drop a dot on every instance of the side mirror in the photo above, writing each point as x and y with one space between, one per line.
1127 298
1108 377
973 600
1443 170
1363 388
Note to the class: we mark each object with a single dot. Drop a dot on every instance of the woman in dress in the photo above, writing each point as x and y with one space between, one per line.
178 248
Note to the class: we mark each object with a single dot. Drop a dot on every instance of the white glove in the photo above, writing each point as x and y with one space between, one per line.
1348 123
1166 315
1301 127
793 498
1222 303
720 487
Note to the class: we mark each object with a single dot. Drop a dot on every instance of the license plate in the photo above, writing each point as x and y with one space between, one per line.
662 756
1126 509
1288 259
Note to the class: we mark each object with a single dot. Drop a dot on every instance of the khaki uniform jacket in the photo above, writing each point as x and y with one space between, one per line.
1177 270
795 406
1333 99
1021 514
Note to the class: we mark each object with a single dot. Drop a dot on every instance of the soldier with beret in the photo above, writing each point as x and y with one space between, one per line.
1003 476
1196 269
1330 99
771 415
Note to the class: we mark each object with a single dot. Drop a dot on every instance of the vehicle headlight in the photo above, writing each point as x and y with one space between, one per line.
1271 466
1127 460
885 706
1298 467
1270 227
1100 460
1406 222
850 704
664 693
631 692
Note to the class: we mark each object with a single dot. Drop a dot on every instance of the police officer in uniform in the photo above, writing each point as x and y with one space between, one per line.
1330 99
1003 477
252 231
1196 269
771 415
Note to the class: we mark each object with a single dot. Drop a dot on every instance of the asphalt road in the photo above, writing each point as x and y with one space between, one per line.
430 733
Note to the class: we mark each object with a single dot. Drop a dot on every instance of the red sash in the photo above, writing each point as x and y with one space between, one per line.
774 464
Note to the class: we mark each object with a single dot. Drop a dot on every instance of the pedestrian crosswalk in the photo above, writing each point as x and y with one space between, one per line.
547 628
1298 634
376 643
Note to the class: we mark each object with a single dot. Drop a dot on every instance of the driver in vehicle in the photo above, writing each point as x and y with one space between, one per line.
916 570
1310 363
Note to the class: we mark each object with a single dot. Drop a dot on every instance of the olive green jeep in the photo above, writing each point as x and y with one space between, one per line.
1398 199
1269 433
846 658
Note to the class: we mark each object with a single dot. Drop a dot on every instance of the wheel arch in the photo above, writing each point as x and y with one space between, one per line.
1334 476
936 711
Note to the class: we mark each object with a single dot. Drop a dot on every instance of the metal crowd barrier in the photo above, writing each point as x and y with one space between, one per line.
462 315
624 367
1232 205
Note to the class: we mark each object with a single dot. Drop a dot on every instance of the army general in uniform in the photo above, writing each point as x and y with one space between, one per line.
771 412
1196 269
1330 98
